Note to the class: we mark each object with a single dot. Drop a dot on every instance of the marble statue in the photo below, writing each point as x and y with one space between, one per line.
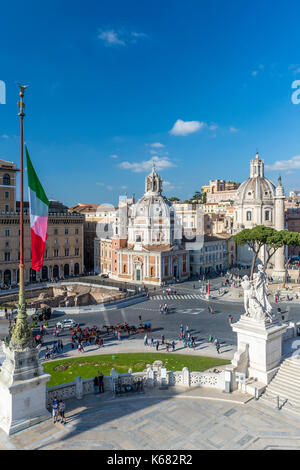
256 302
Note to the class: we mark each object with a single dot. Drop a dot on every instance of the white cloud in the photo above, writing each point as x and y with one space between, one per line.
114 156
138 167
4 136
186 127
286 165
117 38
111 38
213 127
157 145
233 129
254 73
124 187
104 185
138 35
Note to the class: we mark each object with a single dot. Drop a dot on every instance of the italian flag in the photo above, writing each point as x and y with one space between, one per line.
38 207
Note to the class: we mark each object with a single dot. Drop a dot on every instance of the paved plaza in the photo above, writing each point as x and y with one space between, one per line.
168 420
187 419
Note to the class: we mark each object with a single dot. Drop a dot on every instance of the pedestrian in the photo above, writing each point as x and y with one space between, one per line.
218 347
151 342
101 382
210 339
61 411
167 346
146 340
162 339
96 385
173 345
54 405
140 317
157 345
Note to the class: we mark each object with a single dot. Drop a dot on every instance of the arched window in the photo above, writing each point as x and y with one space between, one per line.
6 179
267 215
248 215
152 271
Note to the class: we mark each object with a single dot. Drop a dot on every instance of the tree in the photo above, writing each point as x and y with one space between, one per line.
255 238
197 196
272 239
173 199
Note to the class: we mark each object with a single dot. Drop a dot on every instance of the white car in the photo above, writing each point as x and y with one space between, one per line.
66 324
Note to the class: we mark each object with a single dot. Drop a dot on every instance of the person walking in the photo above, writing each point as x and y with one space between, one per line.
61 411
96 385
167 346
101 382
173 345
151 342
162 339
146 340
157 345
54 406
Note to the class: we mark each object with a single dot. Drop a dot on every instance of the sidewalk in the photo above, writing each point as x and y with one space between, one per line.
134 345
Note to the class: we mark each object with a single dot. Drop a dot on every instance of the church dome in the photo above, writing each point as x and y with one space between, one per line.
153 203
257 187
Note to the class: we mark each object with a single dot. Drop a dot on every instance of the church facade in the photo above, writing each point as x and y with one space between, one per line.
259 202
150 250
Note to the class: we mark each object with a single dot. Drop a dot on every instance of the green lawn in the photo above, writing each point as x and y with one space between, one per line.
66 370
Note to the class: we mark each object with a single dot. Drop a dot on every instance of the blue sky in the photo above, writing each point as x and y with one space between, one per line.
196 85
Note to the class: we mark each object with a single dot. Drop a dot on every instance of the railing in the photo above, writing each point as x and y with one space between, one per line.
151 377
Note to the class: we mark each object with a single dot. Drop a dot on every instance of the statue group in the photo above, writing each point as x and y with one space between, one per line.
256 301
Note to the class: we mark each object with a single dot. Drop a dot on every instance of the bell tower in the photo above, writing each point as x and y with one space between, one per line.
153 182
256 167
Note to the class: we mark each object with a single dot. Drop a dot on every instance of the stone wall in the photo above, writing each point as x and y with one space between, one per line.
151 378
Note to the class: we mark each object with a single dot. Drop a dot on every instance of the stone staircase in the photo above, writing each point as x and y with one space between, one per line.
285 385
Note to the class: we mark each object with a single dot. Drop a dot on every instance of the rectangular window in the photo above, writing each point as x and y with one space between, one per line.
7 256
6 194
66 231
66 251
76 231
56 231
7 232
55 253
76 251
6 208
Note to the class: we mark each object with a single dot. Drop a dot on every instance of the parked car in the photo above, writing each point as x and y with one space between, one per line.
105 276
66 324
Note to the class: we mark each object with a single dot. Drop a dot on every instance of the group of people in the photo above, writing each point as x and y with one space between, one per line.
216 342
58 347
169 345
163 308
99 383
58 410
186 338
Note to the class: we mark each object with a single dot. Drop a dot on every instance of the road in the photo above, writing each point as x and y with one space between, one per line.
191 311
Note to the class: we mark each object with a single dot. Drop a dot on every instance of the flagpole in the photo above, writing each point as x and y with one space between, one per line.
21 335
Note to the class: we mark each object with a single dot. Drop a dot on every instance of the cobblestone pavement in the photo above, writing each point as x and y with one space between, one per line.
198 419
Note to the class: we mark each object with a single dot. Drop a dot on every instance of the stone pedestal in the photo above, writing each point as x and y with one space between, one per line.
22 390
263 341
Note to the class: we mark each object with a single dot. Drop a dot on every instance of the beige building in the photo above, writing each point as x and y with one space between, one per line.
64 246
98 223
